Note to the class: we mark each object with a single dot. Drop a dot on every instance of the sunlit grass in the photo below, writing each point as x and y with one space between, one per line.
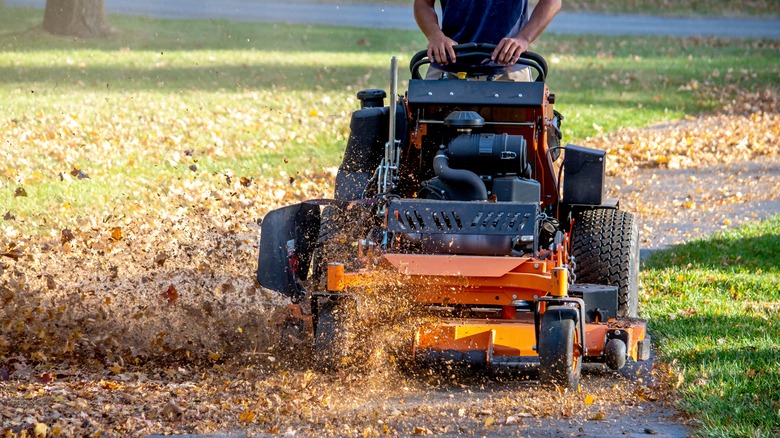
714 307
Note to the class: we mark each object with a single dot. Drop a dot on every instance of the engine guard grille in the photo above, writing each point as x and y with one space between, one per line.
429 217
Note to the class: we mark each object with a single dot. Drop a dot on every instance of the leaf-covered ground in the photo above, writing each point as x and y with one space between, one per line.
702 174
148 319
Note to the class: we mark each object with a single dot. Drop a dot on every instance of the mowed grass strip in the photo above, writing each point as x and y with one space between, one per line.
177 100
714 310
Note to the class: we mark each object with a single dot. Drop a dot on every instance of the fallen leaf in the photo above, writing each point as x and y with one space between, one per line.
171 295
160 258
66 236
513 419
420 430
600 416
645 393
50 283
46 378
110 385
589 399
116 234
172 408
686 312
41 430
247 417
15 254
78 173
19 192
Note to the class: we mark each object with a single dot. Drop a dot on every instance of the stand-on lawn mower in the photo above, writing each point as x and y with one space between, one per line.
451 198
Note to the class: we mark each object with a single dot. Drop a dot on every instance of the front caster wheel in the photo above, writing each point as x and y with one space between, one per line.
615 354
560 361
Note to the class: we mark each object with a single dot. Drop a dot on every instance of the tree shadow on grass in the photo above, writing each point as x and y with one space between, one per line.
146 34
205 77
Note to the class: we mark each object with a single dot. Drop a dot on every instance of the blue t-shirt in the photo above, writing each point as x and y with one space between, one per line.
482 21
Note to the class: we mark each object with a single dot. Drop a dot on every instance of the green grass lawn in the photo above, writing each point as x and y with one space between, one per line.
714 309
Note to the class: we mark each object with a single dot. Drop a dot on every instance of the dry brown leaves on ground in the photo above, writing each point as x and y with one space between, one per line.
748 129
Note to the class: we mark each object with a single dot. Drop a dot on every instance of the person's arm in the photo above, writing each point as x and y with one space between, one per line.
439 45
509 49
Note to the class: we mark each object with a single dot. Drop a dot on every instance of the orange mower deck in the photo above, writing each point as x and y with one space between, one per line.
508 283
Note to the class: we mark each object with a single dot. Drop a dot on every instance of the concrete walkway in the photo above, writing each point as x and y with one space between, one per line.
400 17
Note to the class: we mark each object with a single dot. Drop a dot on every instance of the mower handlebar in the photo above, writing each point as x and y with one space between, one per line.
483 51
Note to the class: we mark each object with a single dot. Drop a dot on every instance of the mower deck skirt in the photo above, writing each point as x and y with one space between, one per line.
502 341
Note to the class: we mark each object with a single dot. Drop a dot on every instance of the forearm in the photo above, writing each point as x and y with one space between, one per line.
427 19
541 16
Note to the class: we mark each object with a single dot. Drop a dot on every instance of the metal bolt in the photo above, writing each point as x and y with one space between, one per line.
514 297
520 95
495 95
430 93
536 265
451 93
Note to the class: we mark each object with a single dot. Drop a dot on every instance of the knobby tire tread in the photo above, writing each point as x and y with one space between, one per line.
605 244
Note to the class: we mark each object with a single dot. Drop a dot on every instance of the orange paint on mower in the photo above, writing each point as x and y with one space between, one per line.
507 283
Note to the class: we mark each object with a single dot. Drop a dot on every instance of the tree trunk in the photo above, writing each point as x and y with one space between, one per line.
81 18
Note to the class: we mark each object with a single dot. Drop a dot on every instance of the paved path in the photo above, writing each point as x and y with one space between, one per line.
400 17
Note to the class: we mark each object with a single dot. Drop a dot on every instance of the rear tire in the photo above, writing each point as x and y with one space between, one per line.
558 365
605 245
333 335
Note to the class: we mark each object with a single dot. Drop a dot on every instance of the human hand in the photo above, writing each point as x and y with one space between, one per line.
440 47
508 50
